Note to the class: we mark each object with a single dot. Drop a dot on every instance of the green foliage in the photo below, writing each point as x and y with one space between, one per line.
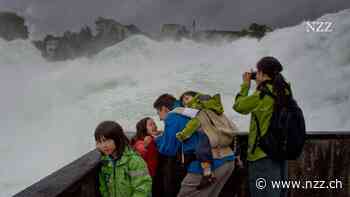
9 17
12 26
258 31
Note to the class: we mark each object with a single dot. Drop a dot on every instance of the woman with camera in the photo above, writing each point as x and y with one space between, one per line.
261 168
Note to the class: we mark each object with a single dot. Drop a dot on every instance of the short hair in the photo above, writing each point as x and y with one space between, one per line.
165 100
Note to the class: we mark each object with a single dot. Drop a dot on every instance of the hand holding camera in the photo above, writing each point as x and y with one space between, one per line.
253 75
248 76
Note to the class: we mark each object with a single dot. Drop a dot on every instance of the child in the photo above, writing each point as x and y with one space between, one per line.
207 123
143 143
123 172
194 102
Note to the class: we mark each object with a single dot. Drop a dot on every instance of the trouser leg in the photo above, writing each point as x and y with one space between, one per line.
191 181
266 170
172 175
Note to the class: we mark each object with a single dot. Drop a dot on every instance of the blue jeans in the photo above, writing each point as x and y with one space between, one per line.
268 170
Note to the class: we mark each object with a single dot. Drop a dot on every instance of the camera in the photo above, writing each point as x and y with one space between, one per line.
253 75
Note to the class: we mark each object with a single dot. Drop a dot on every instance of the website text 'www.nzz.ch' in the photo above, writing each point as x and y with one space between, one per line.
262 183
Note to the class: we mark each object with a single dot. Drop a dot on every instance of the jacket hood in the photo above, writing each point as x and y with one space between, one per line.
203 101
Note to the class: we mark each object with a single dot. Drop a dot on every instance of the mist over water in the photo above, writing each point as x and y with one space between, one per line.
50 110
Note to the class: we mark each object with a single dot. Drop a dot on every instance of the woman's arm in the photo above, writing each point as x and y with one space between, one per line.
243 103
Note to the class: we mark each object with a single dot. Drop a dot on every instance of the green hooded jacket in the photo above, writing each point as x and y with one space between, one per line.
200 102
260 106
125 177
203 101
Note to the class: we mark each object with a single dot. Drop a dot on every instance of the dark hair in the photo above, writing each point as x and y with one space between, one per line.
188 93
141 130
112 130
273 68
165 100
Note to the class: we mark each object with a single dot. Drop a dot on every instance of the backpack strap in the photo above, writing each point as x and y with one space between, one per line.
258 133
266 91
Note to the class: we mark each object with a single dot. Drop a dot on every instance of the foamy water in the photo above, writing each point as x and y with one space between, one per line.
50 110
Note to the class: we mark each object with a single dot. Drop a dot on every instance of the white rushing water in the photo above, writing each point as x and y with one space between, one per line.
49 110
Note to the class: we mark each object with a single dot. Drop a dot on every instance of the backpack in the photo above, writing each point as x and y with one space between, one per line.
285 137
219 129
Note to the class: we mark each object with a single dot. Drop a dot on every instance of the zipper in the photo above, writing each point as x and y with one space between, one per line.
114 180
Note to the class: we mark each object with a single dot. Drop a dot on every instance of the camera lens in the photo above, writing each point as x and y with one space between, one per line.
253 75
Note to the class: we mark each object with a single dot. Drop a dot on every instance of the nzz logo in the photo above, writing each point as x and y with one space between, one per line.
319 26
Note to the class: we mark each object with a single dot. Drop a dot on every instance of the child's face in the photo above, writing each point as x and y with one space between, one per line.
151 127
186 99
106 146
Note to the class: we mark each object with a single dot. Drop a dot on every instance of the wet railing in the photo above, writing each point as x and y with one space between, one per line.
326 157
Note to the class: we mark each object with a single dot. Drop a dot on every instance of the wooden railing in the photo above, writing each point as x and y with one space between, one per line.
326 157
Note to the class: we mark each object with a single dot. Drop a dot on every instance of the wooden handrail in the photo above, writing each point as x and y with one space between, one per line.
323 150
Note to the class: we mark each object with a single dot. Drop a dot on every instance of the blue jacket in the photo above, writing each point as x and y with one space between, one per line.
168 145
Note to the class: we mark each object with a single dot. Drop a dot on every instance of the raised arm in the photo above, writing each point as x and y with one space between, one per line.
243 103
